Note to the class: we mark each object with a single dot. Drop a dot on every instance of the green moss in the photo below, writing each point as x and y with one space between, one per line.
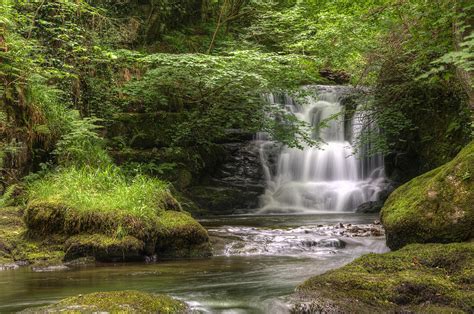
104 248
434 207
180 235
421 278
115 302
17 245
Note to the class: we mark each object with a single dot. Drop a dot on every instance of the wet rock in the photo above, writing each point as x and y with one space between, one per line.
369 207
47 269
236 184
82 261
365 231
336 243
9 266
402 166
338 77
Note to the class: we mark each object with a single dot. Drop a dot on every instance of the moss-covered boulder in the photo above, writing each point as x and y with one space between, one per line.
105 215
104 248
437 206
420 278
181 236
115 302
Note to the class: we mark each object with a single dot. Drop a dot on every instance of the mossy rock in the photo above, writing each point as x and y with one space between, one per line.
419 278
181 236
115 302
171 233
16 246
104 248
437 206
46 217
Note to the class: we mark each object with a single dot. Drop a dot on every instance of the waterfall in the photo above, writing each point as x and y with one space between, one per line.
330 178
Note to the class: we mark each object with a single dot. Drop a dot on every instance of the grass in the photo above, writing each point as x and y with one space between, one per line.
103 189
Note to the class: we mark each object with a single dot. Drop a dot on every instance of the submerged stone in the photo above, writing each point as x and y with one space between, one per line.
437 206
115 302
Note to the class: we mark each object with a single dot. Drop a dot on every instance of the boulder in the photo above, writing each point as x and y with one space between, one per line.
437 206
115 302
420 278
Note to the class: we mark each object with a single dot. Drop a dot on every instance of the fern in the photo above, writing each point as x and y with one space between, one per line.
7 198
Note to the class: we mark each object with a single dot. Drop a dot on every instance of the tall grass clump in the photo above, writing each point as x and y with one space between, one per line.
101 189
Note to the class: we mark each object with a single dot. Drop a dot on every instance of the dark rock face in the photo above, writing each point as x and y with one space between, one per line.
370 207
401 167
234 185
338 77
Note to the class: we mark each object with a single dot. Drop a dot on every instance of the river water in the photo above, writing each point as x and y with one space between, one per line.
258 261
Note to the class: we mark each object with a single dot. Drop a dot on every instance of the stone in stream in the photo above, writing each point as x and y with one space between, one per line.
115 302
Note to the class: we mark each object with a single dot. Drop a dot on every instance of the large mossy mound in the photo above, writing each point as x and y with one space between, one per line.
115 302
107 215
419 278
435 207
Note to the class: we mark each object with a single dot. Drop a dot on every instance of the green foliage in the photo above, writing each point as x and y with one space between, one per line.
89 189
81 145
216 93
6 199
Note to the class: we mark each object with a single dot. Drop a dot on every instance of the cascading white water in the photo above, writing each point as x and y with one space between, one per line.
326 179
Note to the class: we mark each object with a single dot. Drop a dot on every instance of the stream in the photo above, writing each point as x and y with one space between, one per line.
305 226
258 261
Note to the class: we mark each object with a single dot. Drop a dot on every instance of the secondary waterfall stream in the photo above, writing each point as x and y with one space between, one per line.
330 178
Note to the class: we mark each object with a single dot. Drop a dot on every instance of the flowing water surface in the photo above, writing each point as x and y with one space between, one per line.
258 261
